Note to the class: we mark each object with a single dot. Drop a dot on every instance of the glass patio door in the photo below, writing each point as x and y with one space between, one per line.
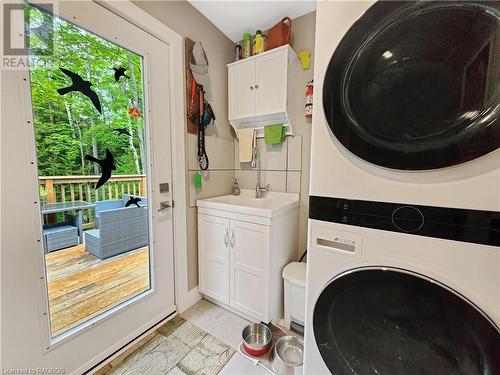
95 129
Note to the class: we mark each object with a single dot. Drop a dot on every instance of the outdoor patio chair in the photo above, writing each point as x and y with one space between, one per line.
120 229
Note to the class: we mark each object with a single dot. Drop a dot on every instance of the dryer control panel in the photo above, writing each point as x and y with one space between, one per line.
475 226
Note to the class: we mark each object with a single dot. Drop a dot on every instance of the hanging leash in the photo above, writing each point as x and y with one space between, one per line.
202 153
193 105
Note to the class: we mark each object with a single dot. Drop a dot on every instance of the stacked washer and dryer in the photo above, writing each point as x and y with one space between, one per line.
403 272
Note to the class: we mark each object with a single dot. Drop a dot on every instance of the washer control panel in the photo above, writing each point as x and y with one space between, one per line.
475 226
407 219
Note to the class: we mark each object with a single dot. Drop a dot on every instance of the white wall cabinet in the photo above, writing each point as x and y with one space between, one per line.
242 84
241 258
260 89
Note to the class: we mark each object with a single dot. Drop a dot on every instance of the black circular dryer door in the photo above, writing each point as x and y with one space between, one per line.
389 322
416 85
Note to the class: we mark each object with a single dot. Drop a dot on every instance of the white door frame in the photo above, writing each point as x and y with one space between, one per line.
132 13
136 16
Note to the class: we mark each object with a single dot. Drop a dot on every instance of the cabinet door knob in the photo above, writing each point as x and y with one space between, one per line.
226 238
232 239
251 87
256 86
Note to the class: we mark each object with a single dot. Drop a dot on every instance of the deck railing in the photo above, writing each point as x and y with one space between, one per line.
74 188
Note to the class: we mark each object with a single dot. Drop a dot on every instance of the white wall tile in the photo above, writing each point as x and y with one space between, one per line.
277 180
248 179
295 153
293 182
214 183
220 152
272 157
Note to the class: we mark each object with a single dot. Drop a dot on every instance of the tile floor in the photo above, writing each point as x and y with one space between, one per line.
227 327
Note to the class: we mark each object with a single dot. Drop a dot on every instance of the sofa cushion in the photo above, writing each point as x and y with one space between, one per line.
93 233
109 204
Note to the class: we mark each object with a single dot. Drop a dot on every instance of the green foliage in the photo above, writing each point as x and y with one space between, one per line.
68 127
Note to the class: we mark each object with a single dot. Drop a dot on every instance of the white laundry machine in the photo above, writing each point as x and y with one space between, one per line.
403 272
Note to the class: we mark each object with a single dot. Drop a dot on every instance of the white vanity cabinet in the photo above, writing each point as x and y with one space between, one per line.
261 88
241 257
213 239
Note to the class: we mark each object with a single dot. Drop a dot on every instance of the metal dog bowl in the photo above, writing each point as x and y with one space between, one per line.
288 356
256 339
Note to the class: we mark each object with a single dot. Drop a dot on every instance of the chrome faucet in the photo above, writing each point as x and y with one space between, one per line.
256 163
253 164
260 191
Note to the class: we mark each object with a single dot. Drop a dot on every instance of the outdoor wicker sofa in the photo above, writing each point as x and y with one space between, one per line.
119 229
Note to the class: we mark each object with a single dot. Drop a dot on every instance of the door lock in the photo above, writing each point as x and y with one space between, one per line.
164 188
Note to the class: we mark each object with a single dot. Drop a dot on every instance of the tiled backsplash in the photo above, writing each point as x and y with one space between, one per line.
218 179
280 166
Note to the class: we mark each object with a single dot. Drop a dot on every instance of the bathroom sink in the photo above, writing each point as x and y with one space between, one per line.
270 205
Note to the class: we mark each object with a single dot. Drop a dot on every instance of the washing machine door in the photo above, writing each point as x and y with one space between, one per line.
416 85
390 321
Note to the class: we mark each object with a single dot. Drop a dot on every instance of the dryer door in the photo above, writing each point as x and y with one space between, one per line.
390 321
416 85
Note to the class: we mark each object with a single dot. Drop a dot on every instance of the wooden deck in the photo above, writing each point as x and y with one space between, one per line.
82 286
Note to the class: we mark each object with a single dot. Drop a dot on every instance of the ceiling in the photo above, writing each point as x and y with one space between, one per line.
236 17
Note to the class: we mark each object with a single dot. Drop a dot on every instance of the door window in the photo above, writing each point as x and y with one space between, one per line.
87 99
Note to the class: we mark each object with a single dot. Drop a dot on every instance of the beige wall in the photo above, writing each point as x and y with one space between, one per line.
303 30
187 21
286 167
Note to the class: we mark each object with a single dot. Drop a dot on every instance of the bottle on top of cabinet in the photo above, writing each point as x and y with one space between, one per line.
237 52
246 45
259 43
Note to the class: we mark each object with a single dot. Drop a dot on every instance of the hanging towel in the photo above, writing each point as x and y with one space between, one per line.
245 137
274 134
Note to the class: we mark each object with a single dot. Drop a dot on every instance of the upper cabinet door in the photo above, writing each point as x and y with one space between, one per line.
213 254
249 258
242 90
271 83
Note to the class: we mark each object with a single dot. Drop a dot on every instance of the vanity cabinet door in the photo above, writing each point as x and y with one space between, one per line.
249 258
241 96
213 257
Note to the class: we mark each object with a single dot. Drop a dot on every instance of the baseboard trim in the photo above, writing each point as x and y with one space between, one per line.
231 309
190 298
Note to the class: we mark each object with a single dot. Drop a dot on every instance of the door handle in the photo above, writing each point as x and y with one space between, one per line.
164 205
232 238
226 237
